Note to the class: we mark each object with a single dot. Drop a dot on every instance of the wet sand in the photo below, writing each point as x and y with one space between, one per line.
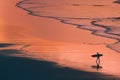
52 41
17 68
88 15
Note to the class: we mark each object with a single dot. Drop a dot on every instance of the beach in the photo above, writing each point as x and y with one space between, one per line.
46 47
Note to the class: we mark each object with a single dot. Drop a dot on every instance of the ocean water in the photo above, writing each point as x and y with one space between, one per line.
101 17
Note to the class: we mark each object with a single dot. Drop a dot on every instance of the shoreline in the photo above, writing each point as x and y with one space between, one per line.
66 20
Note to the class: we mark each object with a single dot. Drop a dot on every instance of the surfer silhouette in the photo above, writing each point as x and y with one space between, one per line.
97 56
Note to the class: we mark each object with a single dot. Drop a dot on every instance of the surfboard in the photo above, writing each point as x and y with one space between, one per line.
96 55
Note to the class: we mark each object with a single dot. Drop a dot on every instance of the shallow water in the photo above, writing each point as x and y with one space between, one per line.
100 17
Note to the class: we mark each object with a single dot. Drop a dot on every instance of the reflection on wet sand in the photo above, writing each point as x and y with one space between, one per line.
97 66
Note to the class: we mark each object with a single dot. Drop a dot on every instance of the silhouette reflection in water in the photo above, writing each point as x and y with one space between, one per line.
97 66
97 56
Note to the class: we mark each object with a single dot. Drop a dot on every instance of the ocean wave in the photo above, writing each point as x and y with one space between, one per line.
102 17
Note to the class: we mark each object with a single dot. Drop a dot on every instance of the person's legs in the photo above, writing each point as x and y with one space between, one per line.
98 61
